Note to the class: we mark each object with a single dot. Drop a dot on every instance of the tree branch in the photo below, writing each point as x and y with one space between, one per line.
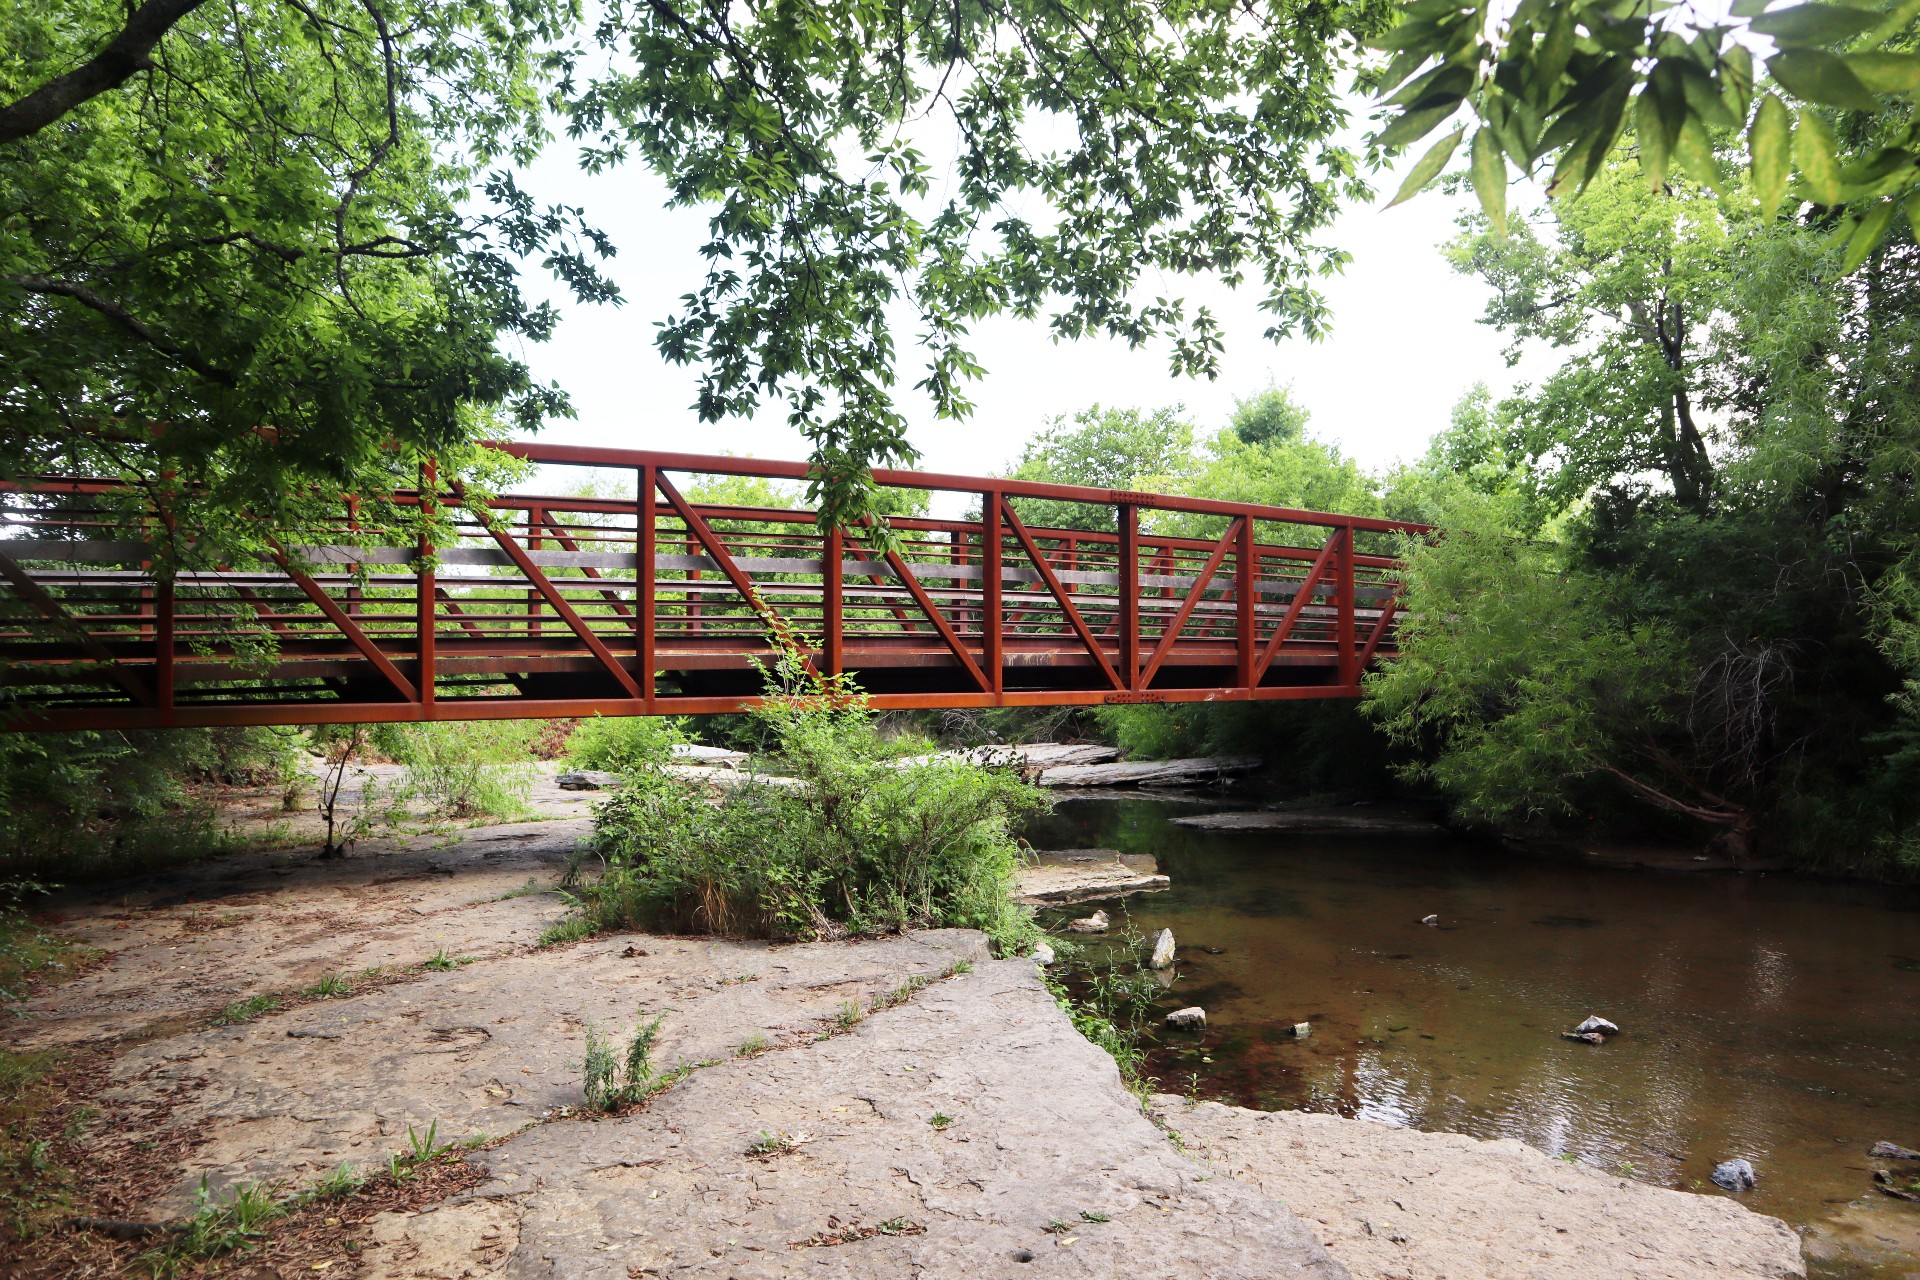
127 53
126 320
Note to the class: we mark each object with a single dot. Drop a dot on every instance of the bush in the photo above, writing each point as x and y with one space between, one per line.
470 768
849 844
624 742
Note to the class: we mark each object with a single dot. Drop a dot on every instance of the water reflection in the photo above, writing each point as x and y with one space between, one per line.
1764 1017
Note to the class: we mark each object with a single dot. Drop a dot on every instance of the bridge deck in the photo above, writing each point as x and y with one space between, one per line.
541 609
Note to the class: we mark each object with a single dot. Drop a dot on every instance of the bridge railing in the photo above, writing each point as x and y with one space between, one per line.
627 596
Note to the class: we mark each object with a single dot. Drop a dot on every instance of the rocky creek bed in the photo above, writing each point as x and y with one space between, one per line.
893 1107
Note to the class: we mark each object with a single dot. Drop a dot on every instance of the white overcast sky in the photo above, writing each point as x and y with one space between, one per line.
1406 343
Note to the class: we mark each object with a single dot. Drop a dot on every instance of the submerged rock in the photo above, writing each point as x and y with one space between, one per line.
1189 1019
1430 920
1584 1037
1301 1030
1892 1151
1095 923
1734 1175
1598 1024
1162 949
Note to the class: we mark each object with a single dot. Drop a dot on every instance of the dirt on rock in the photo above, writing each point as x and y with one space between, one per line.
1399 1204
969 1132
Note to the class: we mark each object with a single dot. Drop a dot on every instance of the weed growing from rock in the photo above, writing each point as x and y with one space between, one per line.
335 984
613 1081
940 1120
217 1227
440 961
902 993
753 1046
767 1144
1093 1215
246 1010
571 929
849 1015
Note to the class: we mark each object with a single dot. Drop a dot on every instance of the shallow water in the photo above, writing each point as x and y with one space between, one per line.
1769 1017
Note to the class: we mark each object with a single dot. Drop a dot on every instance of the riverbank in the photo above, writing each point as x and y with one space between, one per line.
877 1107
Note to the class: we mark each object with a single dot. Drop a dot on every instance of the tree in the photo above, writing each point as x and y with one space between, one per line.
1634 288
1272 417
1104 449
1089 149
253 254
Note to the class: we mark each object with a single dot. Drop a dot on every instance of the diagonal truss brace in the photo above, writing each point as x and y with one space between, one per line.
48 607
347 626
544 585
1047 575
904 572
1187 606
1301 597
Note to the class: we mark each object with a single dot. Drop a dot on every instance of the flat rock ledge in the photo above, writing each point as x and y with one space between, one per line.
1399 1204
1041 1164
1315 822
1056 876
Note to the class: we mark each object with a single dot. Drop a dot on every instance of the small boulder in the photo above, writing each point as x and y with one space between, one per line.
1042 954
1190 1019
1584 1037
576 782
1162 949
1301 1030
1432 921
1095 923
1600 1025
1734 1175
1892 1151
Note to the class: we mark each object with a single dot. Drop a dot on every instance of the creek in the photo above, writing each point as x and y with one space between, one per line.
1773 1017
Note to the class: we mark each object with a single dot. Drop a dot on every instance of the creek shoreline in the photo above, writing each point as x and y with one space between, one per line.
487 1045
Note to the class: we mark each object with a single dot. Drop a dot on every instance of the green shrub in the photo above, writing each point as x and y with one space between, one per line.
850 844
624 742
470 768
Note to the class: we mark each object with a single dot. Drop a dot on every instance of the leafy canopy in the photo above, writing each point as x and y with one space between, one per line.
1089 150
1555 83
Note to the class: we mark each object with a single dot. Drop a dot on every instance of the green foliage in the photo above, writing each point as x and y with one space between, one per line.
26 950
1103 449
616 1080
1531 690
246 1010
282 217
854 844
1561 82
1178 142
1271 417
468 768
218 1227
90 805
624 742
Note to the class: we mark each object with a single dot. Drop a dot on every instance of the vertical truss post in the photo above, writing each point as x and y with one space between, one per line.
1244 599
423 587
992 619
535 518
1343 608
644 531
163 645
1130 594
833 576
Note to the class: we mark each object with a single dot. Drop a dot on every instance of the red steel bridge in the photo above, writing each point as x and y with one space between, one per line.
629 598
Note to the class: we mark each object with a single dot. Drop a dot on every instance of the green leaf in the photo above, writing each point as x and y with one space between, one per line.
1814 75
1652 133
1771 142
1429 166
1693 149
1886 72
1816 24
1872 228
1415 125
1489 172
1818 157
1913 213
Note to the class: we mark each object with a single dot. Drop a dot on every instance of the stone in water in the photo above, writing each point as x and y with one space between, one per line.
1301 1030
1600 1025
1734 1175
1430 920
1584 1037
1892 1151
1095 923
1191 1019
1163 949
